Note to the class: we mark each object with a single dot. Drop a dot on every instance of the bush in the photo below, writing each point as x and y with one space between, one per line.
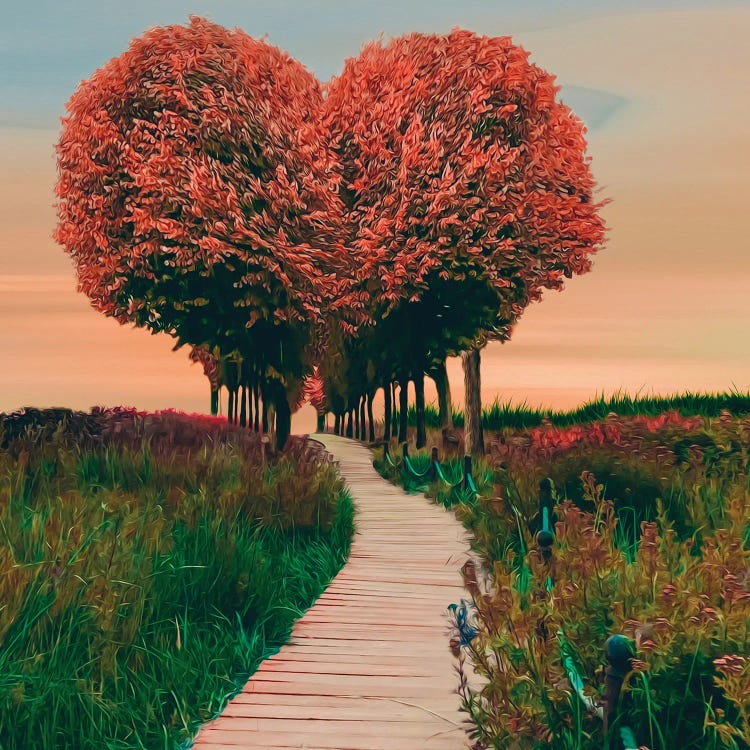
686 614
663 560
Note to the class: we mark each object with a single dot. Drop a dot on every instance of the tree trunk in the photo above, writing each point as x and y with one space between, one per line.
394 422
445 404
249 407
321 425
256 402
271 430
419 398
283 419
356 420
214 401
370 420
362 421
349 432
403 406
387 411
473 437
264 415
230 406
243 406
337 424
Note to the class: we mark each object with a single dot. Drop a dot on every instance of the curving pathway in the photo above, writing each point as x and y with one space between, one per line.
368 667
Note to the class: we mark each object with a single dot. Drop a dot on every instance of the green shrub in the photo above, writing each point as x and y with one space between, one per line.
685 613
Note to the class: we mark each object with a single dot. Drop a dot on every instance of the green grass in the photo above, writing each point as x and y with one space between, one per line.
139 590
498 416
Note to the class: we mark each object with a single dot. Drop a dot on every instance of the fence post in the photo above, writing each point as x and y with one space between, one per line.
265 445
546 502
433 464
619 652
467 472
544 537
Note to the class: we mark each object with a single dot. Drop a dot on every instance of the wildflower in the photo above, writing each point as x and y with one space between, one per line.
667 595
731 664
705 616
466 630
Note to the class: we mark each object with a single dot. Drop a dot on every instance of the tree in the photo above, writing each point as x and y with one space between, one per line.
314 393
211 370
198 197
466 187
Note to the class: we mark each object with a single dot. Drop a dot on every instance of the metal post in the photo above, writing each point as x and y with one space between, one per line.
467 472
546 501
619 652
433 464
544 537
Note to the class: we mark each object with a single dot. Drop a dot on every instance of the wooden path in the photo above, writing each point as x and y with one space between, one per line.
368 667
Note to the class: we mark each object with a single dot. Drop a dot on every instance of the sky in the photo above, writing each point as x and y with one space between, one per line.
662 87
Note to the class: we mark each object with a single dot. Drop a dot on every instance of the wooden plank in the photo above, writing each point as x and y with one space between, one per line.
445 706
360 712
383 740
362 667
336 727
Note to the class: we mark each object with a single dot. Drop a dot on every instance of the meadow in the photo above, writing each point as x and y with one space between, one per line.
148 563
651 524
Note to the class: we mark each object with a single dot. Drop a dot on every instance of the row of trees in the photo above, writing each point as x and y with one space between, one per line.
211 188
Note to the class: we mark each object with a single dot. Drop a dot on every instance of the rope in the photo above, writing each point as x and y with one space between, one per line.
442 476
628 738
575 679
390 461
410 467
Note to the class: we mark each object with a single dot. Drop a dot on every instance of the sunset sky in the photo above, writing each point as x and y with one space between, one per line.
662 87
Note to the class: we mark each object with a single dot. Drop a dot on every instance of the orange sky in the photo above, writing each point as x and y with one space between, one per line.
666 307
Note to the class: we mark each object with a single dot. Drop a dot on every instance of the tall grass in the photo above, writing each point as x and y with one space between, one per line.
140 585
498 416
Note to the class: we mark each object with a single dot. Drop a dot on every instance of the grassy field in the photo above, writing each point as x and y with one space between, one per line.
148 563
652 541
499 416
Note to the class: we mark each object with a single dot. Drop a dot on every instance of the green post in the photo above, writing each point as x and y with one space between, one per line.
433 463
467 472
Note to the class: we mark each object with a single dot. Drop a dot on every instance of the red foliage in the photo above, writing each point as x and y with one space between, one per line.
460 165
199 148
314 392
634 434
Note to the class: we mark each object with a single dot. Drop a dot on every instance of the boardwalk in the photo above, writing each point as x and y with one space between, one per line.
368 666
